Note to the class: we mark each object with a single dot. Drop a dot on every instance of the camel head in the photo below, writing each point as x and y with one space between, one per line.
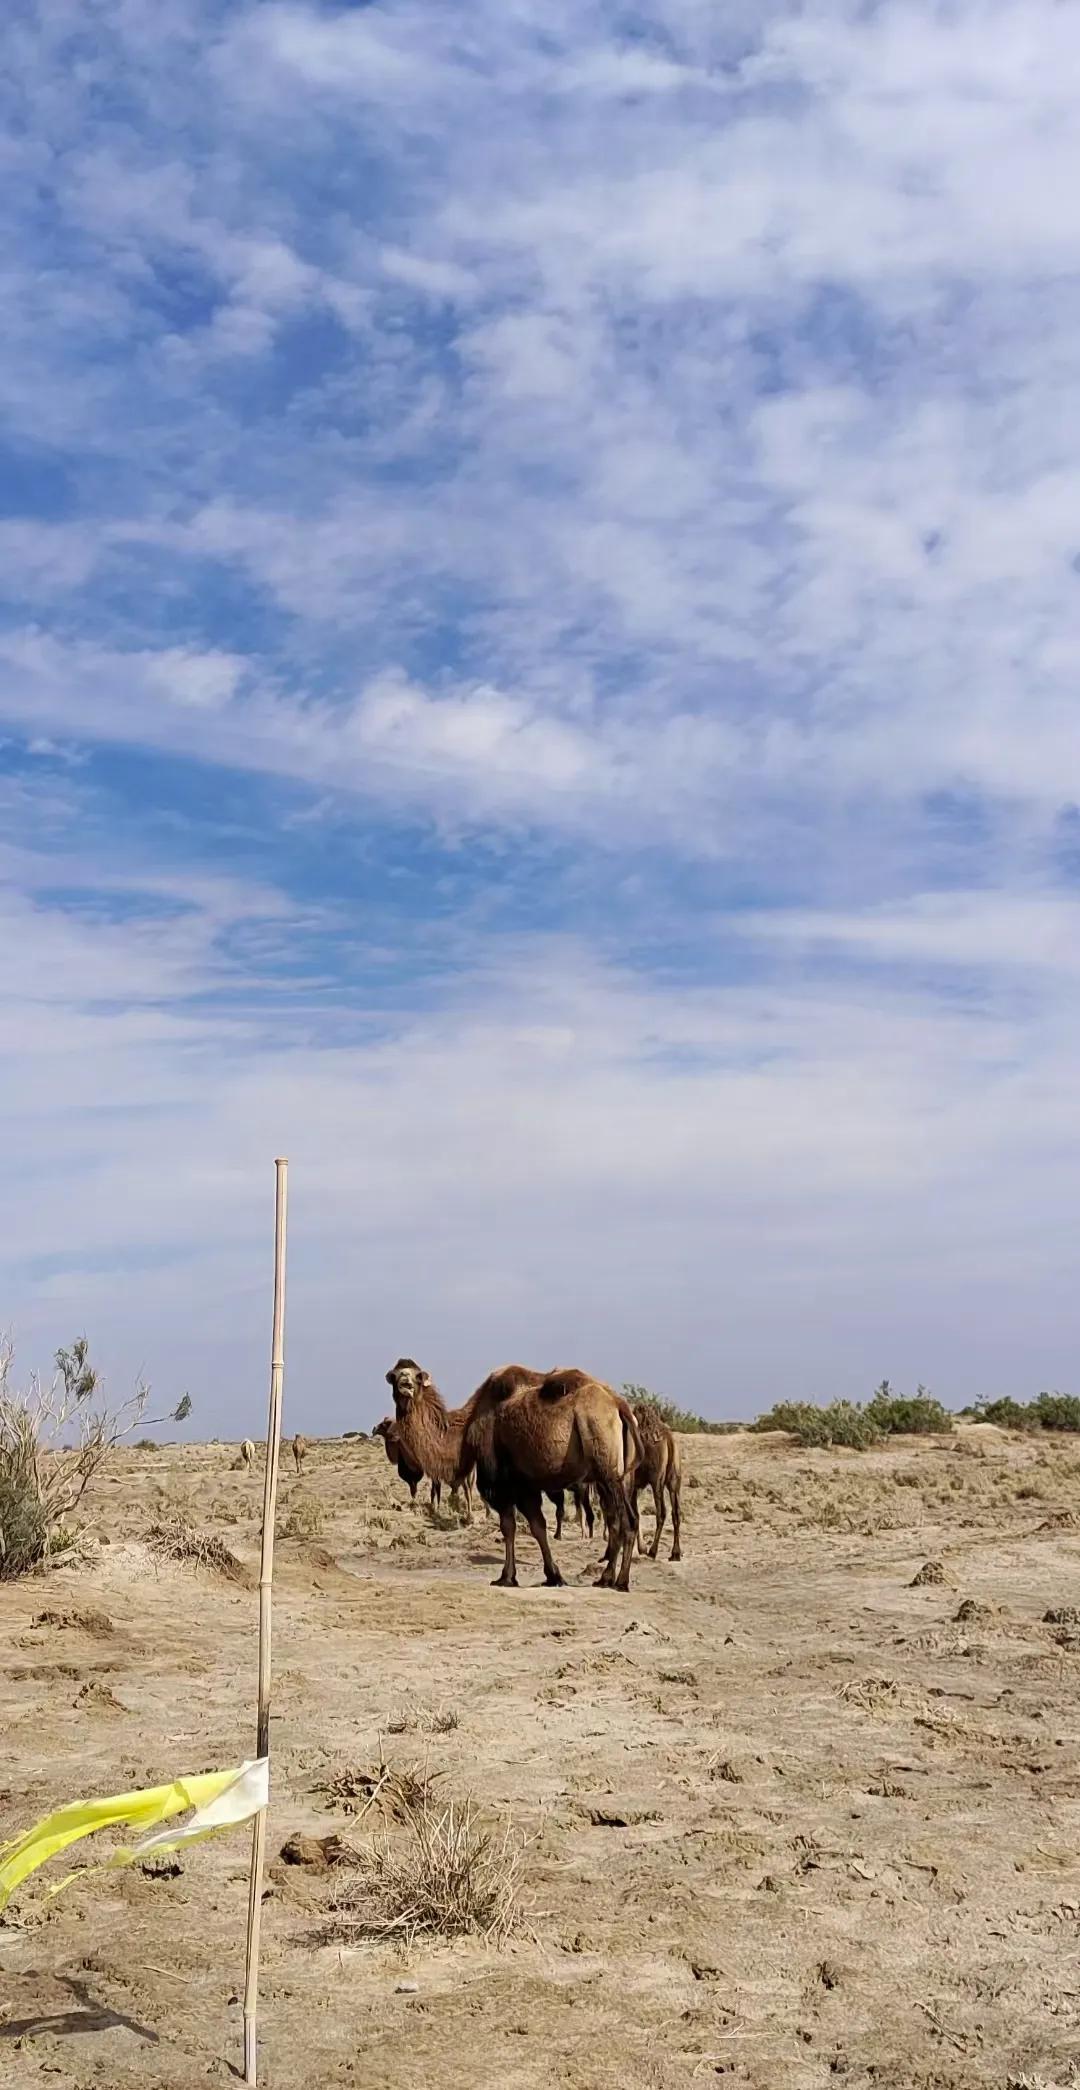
407 1379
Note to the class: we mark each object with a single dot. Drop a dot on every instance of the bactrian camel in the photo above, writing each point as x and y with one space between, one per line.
440 1445
528 1433
411 1474
659 1469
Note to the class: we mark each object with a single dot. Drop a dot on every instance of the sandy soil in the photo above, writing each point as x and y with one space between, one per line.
789 1817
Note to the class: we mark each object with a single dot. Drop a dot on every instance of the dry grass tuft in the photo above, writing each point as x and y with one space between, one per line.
872 1693
174 1538
931 1571
400 1790
423 1719
305 1519
442 1875
97 1623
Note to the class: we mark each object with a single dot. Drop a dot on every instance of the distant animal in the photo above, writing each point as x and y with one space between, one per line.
299 1451
660 1469
528 1433
411 1474
245 1457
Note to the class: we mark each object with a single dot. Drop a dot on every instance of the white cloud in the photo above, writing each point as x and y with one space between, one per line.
691 470
753 1177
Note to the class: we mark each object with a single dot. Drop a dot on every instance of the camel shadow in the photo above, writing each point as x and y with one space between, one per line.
91 2016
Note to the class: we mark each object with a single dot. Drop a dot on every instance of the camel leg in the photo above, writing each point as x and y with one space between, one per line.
559 1500
627 1528
508 1526
658 1500
633 1494
436 1493
609 1503
532 1509
676 1538
466 1496
590 1520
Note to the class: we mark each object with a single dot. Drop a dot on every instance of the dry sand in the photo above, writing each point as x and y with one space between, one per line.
789 1818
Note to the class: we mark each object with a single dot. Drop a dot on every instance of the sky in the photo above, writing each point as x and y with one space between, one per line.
539 629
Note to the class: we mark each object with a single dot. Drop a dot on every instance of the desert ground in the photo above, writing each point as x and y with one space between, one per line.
788 1812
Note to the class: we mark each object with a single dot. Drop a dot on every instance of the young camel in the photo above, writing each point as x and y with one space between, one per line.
659 1469
412 1475
529 1433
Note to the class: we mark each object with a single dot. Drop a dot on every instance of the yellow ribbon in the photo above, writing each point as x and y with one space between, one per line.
220 1799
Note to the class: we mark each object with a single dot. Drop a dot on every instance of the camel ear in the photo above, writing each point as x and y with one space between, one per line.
389 1378
424 1378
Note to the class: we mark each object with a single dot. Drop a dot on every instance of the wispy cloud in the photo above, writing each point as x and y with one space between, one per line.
539 557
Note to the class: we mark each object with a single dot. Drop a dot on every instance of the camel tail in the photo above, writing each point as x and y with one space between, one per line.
633 1448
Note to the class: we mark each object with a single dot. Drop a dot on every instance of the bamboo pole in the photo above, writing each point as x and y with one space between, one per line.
266 1584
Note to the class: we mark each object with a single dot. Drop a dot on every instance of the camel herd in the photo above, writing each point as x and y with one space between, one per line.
526 1434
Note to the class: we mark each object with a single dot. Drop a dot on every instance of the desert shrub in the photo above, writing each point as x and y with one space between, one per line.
1048 1411
1057 1411
305 1518
53 1439
442 1874
848 1422
175 1538
842 1422
146 1444
907 1415
682 1419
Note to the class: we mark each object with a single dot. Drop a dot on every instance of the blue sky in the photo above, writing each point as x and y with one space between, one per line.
539 590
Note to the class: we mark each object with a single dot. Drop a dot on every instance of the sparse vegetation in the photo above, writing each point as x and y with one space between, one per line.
1048 1411
842 1422
423 1719
399 1789
305 1518
442 1875
45 1470
857 1426
682 1419
174 1538
908 1415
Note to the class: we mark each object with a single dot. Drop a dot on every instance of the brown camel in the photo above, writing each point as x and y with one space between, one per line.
411 1474
299 1451
528 1433
436 1441
659 1468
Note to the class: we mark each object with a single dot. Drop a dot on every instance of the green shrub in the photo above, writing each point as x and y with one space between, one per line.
1048 1411
1057 1411
1006 1413
842 1422
907 1415
682 1419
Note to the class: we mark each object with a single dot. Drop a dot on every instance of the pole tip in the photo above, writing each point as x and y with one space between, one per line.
281 1161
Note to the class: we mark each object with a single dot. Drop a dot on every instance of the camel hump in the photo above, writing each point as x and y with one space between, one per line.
509 1379
558 1386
